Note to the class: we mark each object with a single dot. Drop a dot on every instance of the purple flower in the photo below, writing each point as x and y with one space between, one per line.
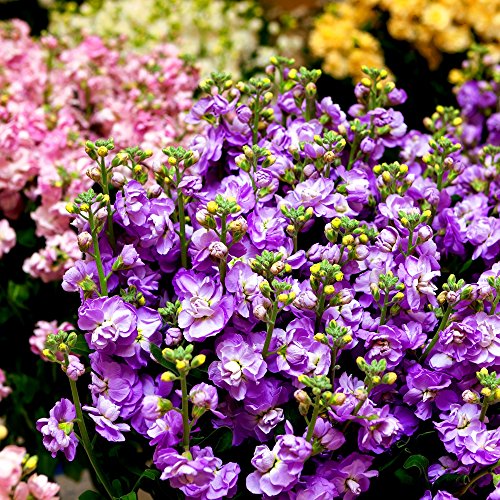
379 431
104 415
57 430
426 387
239 365
132 204
278 470
461 422
266 228
481 447
385 343
325 435
350 476
75 369
204 396
205 311
244 284
489 343
113 324
166 430
417 276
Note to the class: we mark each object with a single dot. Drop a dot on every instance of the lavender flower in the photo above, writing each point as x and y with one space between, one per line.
104 415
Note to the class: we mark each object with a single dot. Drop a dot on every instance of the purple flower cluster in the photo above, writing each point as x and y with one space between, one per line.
316 280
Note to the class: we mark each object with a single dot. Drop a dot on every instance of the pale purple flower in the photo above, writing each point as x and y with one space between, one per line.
57 430
239 365
104 415
75 369
379 431
205 311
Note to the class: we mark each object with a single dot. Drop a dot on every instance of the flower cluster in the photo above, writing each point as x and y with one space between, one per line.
52 99
289 284
217 34
432 27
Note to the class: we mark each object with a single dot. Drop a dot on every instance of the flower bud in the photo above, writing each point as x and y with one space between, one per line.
217 250
260 312
212 207
94 174
471 397
389 378
277 267
84 241
102 151
168 377
338 399
198 360
118 180
3 432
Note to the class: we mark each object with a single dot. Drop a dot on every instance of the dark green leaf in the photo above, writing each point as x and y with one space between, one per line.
81 346
129 496
156 352
225 441
117 487
449 480
89 495
466 266
404 477
418 461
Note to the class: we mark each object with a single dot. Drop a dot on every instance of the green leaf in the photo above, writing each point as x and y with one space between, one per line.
466 266
81 346
448 481
418 461
26 237
117 487
151 474
156 352
225 441
404 477
89 495
129 496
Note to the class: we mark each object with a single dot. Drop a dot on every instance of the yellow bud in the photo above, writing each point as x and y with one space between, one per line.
198 360
403 169
290 229
309 211
138 169
497 393
172 161
404 221
390 378
102 151
329 289
386 176
46 353
70 208
440 109
426 213
231 199
3 432
319 337
363 238
377 169
292 295
141 301
483 371
288 268
212 207
292 74
268 96
348 239
485 391
168 377
338 398
180 364
31 463
457 121
347 338
383 73
399 296
376 379
366 82
339 276
84 207
315 268
282 297
336 223
301 378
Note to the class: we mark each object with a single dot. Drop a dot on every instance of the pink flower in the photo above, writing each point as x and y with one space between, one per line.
11 458
7 237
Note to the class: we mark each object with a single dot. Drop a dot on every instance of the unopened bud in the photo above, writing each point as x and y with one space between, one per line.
84 241
198 360
168 377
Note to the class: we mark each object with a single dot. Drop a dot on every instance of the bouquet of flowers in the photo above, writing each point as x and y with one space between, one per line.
310 291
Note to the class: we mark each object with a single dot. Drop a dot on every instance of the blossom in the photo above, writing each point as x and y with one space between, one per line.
104 415
7 237
57 430
205 311
239 366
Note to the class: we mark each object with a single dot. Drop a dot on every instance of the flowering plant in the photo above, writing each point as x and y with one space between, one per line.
285 292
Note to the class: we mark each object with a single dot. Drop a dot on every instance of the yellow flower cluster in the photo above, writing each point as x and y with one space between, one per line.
338 38
431 26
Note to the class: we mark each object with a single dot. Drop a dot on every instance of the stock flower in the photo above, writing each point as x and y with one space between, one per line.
113 325
57 430
378 432
38 487
278 469
204 311
239 366
11 470
166 430
204 396
7 237
104 415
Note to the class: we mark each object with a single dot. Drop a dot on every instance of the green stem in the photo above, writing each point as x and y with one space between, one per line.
314 417
494 304
484 409
87 446
383 314
354 148
105 187
295 240
223 239
332 367
270 329
476 477
255 127
410 243
310 108
442 326
97 255
182 222
319 311
358 407
185 412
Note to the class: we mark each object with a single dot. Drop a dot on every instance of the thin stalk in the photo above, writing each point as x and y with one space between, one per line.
87 446
270 329
255 127
494 304
314 417
185 412
97 255
484 409
383 314
334 354
477 477
105 187
310 109
358 406
319 311
223 239
442 326
182 221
